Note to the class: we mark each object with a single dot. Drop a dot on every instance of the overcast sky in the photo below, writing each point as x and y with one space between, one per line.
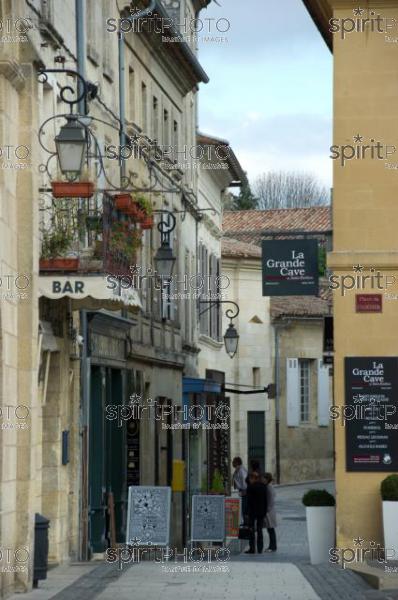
270 90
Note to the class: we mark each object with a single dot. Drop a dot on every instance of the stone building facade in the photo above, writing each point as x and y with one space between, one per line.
364 220
281 342
72 348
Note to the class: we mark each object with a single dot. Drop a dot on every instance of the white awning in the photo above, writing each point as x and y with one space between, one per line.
92 293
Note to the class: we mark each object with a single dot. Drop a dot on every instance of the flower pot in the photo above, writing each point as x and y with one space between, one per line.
59 264
136 212
77 189
123 202
147 222
321 530
390 527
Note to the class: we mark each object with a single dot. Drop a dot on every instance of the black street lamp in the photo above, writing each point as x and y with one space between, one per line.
164 260
71 144
231 340
231 336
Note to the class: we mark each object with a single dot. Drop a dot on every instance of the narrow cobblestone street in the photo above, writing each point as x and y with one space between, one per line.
286 575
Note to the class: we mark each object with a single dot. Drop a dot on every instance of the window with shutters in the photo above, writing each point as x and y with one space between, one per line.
166 128
176 140
204 296
209 273
109 52
305 383
155 118
167 301
94 42
131 88
144 108
188 301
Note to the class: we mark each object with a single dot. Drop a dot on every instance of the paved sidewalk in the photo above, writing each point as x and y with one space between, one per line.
285 575
251 581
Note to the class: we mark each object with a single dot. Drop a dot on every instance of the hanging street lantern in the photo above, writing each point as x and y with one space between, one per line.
231 340
71 144
164 260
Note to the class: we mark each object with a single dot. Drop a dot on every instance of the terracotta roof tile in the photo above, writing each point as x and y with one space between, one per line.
231 247
317 218
302 306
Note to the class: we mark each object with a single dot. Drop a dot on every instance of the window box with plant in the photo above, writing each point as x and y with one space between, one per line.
123 203
55 251
389 495
84 188
75 189
321 524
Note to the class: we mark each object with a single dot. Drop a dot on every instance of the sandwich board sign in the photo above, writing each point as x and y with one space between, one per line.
148 515
232 517
208 519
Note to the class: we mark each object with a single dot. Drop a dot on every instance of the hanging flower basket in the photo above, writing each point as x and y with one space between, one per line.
76 189
59 264
123 203
147 222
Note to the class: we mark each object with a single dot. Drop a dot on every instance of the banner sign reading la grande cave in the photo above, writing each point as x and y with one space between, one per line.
371 413
290 267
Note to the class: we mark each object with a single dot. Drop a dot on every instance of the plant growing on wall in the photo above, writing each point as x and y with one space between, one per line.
144 203
124 240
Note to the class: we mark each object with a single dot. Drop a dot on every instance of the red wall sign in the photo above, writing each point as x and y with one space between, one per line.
369 303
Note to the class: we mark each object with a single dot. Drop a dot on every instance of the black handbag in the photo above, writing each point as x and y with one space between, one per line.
245 532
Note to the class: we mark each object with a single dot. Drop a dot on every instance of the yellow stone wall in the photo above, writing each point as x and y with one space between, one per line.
365 221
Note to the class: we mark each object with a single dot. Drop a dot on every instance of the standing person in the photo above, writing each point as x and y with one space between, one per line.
257 507
239 480
270 518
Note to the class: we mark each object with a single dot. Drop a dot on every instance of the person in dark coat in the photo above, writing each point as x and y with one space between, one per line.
257 509
270 519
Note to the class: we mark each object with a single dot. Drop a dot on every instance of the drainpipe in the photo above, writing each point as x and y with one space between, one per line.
122 102
80 9
277 409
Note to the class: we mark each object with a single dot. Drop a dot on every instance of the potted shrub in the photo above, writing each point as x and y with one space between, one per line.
389 495
55 245
321 524
137 210
146 207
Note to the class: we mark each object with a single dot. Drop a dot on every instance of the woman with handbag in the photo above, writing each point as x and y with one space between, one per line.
270 518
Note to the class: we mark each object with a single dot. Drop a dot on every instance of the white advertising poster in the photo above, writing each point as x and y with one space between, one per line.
148 515
208 519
